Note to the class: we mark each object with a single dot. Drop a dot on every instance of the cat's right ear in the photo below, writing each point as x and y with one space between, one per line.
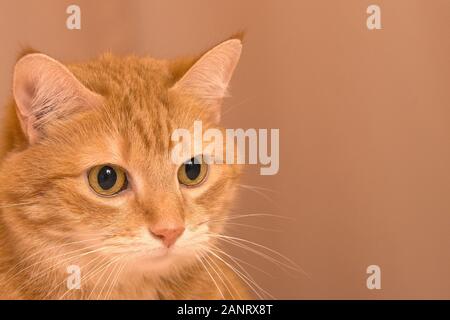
44 91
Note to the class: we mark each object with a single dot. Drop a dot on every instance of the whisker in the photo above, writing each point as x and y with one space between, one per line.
48 259
215 283
244 278
104 269
234 240
260 246
65 280
234 217
258 188
91 273
259 192
237 261
249 226
56 265
219 251
116 279
47 249
115 265
230 108
210 261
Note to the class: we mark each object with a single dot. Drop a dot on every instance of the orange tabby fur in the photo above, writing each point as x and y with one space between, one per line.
50 219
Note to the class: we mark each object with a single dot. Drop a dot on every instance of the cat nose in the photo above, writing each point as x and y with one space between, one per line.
167 235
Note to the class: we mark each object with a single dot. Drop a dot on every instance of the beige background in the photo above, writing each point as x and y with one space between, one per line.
364 118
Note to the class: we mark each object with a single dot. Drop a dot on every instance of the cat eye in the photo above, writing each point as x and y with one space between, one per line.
192 172
107 180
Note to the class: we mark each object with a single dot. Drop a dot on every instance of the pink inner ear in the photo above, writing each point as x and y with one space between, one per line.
25 96
44 90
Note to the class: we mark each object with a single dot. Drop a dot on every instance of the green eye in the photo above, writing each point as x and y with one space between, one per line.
192 172
107 180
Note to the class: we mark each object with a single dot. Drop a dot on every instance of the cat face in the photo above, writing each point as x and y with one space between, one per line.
96 178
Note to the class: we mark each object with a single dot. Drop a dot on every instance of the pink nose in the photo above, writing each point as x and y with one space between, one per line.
167 235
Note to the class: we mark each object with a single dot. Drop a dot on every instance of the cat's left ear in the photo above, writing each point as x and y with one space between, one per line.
208 79
45 91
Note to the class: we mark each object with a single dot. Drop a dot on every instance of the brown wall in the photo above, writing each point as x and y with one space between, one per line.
364 118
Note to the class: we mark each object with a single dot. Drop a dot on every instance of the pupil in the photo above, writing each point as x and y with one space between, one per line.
192 169
107 178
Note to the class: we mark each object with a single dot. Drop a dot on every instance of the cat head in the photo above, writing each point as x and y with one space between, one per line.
94 173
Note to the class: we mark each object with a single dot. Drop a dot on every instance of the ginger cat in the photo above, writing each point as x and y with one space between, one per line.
89 187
